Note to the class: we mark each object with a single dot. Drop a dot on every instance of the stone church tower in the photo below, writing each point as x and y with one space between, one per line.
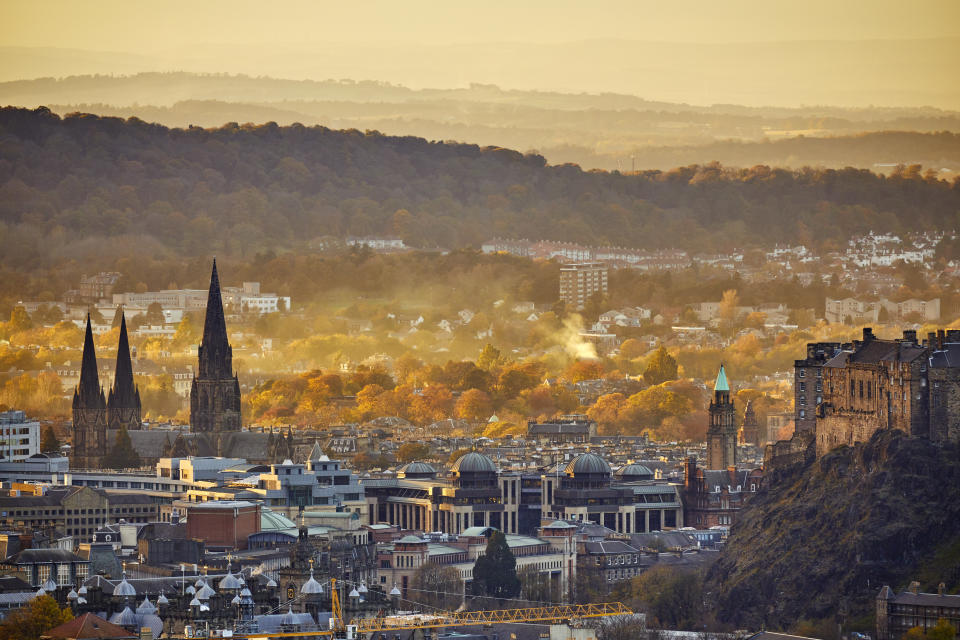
722 433
123 403
89 411
215 394
750 432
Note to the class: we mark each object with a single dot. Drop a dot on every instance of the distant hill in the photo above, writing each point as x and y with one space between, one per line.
605 130
848 71
826 538
68 185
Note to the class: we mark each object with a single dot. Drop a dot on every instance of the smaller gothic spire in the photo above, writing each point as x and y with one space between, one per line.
88 390
124 393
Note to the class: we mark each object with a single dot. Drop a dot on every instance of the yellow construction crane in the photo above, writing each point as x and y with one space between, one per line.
359 626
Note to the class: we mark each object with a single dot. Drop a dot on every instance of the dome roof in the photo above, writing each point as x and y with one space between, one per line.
272 521
205 592
473 462
230 582
162 599
414 469
124 589
146 606
126 618
49 585
311 586
634 470
72 595
587 463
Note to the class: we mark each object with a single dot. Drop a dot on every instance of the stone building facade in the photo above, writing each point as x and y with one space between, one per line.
877 384
897 613
874 384
750 432
808 383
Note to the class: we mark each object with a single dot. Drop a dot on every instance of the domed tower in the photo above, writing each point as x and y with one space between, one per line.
722 433
587 471
477 499
474 471
417 471
634 472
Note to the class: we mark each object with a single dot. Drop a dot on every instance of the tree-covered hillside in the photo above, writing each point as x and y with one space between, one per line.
240 189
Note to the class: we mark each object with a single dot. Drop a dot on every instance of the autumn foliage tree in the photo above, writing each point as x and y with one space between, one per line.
34 619
661 367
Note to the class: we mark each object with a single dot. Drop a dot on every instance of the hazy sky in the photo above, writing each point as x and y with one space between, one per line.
149 26
757 52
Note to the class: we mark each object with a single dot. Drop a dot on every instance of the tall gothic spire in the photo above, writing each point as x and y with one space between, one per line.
123 393
88 391
216 356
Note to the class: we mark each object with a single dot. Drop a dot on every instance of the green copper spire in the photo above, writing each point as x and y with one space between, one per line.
721 384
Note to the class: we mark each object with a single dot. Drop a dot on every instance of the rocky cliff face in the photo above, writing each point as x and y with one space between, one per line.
827 535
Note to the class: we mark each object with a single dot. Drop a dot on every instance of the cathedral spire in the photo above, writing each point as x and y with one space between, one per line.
123 393
215 392
88 390
216 357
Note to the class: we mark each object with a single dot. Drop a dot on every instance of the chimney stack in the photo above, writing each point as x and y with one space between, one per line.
867 334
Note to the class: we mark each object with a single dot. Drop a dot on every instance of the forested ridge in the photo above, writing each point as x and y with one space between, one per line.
240 189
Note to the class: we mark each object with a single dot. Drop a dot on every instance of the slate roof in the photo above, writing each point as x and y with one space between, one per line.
605 547
947 357
34 556
947 601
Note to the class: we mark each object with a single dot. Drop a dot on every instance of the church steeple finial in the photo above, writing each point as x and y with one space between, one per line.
88 391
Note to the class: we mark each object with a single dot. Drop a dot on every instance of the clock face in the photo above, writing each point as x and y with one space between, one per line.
291 592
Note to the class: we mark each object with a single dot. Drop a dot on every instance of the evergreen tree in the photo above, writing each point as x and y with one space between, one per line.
49 442
495 572
122 455
19 320
661 368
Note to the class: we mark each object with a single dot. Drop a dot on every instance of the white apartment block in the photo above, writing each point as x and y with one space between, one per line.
19 438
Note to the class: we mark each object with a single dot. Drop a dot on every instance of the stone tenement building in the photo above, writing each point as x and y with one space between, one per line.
891 384
808 383
92 412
